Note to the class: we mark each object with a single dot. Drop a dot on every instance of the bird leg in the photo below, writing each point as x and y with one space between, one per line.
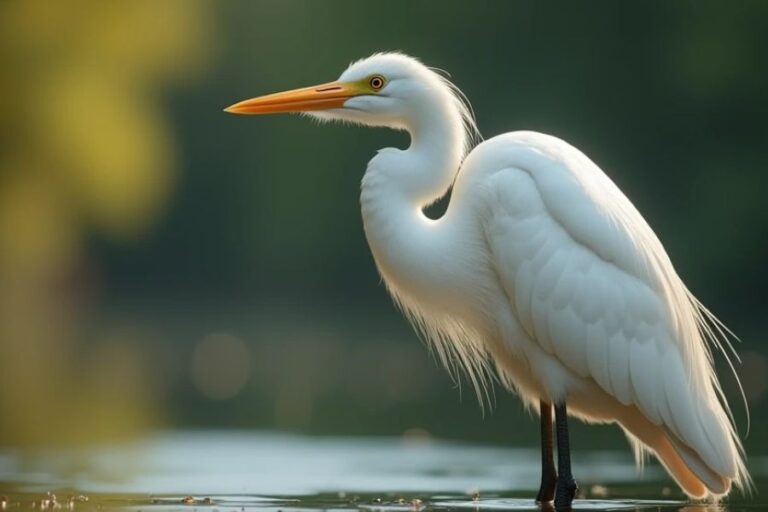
566 485
548 472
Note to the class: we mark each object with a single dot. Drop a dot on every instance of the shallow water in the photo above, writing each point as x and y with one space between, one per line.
276 472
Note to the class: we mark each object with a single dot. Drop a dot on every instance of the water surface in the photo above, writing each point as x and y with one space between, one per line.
272 472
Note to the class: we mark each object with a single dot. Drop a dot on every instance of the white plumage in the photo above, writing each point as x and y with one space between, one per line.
602 309
542 270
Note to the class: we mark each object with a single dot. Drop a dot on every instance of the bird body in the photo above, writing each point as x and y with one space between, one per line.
541 262
540 271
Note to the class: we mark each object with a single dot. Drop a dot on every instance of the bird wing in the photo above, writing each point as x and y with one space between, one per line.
589 281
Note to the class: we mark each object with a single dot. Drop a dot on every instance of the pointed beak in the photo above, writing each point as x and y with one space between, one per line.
318 97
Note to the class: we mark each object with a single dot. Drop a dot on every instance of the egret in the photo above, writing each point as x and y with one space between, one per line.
540 271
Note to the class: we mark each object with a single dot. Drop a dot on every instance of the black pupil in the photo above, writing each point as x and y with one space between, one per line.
376 82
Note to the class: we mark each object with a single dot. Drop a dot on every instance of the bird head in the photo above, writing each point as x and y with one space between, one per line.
387 89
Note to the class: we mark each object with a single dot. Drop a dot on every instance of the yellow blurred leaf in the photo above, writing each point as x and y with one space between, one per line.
113 148
37 233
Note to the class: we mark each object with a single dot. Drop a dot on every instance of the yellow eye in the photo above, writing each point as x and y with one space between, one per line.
376 82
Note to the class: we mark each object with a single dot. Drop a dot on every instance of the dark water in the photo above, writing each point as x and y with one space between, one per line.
282 473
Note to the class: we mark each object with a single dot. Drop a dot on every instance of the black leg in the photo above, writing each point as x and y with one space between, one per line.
548 473
566 485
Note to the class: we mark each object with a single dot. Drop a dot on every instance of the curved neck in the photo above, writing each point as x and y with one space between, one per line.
424 172
432 161
409 248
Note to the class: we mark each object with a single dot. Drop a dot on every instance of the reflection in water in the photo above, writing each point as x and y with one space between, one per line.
271 472
330 503
84 147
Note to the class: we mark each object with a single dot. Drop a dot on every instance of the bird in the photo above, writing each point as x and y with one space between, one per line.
540 274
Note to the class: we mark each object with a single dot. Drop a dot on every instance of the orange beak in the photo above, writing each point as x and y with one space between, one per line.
318 97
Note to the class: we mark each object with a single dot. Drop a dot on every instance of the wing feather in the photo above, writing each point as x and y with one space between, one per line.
642 357
592 285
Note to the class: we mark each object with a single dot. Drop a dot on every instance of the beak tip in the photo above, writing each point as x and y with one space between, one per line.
318 97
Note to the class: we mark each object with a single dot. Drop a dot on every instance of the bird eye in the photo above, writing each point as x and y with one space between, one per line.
376 82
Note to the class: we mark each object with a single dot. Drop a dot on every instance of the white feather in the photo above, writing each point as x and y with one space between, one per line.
632 300
542 269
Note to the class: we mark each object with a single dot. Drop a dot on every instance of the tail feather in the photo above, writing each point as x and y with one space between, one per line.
646 436
715 483
698 427
702 465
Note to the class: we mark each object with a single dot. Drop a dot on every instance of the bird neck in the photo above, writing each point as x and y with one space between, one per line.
410 249
423 173
430 164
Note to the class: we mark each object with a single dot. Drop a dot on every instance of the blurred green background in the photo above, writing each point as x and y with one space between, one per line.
165 265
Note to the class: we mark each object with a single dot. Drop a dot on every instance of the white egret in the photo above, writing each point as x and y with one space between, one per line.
540 269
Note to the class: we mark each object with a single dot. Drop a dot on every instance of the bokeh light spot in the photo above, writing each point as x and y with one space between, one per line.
221 366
